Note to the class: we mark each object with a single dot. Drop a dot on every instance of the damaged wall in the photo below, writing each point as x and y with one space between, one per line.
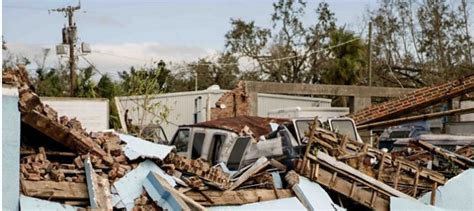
238 103
231 104
10 148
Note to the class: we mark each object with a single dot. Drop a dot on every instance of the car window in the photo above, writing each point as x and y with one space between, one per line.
237 153
215 148
181 140
198 141
344 127
303 126
400 134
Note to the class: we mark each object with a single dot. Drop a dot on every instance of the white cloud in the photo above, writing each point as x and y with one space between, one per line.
110 58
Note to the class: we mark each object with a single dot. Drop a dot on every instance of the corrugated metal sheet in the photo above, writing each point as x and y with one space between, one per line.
129 187
92 113
268 102
139 148
10 149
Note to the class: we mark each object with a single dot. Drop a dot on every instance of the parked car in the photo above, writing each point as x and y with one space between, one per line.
238 141
393 134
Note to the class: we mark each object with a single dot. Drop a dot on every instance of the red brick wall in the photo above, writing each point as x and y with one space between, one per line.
236 103
420 98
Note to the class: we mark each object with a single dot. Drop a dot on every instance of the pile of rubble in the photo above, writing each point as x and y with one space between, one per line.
73 169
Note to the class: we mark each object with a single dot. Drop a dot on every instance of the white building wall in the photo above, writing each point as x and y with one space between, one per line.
269 102
93 113
181 106
467 104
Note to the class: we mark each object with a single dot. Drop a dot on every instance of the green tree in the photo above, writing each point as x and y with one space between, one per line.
421 43
289 51
347 63
52 82
146 82
86 86
224 72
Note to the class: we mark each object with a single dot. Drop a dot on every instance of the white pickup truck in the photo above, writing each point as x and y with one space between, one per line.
240 140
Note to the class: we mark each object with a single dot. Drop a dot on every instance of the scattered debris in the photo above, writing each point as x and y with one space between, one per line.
281 204
71 169
137 148
456 194
313 196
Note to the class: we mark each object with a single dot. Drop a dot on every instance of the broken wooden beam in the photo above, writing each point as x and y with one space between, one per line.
459 160
237 197
55 190
345 180
256 167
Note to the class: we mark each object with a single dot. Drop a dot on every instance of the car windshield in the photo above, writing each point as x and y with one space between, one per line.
181 140
400 134
303 126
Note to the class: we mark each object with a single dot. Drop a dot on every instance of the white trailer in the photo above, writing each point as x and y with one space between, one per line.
323 113
93 113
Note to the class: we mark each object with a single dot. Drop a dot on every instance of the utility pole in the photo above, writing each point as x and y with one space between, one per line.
69 38
369 54
195 81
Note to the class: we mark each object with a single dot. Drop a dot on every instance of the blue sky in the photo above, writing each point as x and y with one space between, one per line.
124 33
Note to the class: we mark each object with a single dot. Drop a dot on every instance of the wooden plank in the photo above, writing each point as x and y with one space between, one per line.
121 116
55 190
459 160
323 158
343 185
397 174
256 167
277 165
353 188
433 193
382 163
238 197
415 184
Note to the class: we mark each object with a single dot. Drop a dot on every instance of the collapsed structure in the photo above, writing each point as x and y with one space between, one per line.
64 167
